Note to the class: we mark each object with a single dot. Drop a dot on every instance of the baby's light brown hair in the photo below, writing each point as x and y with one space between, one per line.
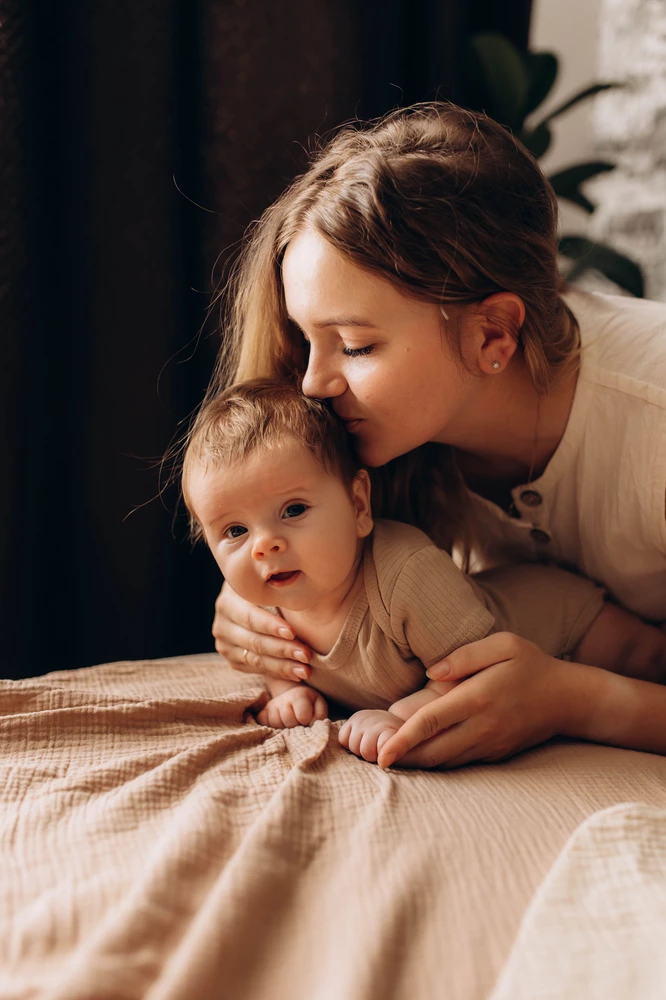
264 413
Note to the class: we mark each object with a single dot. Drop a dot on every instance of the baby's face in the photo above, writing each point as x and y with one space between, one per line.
282 530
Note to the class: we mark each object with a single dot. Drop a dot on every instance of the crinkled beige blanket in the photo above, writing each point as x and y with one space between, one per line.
595 929
156 842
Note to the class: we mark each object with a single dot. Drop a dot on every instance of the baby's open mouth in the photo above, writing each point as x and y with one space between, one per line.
280 579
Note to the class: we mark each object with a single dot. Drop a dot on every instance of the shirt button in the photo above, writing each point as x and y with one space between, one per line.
540 536
531 498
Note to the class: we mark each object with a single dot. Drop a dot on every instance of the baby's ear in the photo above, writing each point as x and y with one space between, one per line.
360 491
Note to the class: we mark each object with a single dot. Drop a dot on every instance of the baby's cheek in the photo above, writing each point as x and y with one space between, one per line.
244 579
336 558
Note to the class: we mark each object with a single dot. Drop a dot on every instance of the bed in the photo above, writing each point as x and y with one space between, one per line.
156 842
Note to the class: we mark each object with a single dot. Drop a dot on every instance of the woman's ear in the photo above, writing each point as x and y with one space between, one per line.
499 319
360 492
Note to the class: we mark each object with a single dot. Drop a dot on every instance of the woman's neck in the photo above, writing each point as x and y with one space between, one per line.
513 431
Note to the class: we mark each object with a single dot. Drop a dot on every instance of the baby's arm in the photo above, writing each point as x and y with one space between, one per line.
291 705
624 644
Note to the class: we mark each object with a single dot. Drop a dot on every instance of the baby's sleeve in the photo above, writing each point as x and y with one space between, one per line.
546 604
434 609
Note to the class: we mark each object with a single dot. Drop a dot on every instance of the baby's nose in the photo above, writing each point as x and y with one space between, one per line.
264 546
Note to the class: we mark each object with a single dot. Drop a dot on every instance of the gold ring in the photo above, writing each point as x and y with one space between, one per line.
245 652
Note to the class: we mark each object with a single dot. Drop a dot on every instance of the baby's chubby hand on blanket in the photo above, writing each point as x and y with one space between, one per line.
366 732
298 706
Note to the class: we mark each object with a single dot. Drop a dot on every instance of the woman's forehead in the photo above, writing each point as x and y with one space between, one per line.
323 288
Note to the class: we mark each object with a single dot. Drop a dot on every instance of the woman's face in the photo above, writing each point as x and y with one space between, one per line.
382 357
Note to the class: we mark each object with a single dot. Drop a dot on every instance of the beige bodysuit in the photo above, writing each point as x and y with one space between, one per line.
416 606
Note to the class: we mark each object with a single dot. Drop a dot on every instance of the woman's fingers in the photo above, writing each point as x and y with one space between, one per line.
260 650
254 640
475 656
430 720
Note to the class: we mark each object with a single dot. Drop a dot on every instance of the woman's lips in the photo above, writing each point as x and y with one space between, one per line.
284 579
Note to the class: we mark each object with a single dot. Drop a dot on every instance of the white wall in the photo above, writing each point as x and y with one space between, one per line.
569 28
603 40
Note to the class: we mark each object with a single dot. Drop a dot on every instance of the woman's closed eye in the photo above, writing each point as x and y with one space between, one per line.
294 510
357 352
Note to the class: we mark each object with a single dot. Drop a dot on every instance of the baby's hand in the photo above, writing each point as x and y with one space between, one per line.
366 732
300 705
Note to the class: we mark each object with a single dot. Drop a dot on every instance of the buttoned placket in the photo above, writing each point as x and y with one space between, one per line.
528 502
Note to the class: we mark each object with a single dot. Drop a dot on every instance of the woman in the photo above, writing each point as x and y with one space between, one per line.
410 275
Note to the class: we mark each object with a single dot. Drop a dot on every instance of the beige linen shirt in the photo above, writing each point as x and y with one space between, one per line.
599 505
416 606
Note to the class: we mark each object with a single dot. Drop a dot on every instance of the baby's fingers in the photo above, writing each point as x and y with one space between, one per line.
430 720
320 708
383 739
303 708
287 715
344 733
270 716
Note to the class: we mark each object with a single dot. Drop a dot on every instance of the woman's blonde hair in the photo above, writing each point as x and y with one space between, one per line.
450 208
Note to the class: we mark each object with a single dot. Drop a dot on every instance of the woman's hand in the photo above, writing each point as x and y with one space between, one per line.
515 700
255 641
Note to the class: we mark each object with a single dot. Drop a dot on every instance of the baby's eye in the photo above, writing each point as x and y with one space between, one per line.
357 352
235 531
295 510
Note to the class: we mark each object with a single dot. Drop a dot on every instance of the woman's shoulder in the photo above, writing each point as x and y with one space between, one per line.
623 342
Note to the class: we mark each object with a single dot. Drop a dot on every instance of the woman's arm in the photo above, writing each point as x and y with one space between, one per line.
523 698
620 641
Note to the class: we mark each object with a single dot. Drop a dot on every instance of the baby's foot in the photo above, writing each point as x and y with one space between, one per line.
366 732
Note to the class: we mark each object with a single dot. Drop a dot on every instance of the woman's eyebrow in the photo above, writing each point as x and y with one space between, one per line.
341 321
346 321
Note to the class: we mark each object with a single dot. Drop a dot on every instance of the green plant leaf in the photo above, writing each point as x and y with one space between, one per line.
566 183
505 75
537 140
542 72
582 95
590 255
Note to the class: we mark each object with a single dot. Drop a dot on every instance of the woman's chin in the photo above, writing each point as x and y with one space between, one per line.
374 456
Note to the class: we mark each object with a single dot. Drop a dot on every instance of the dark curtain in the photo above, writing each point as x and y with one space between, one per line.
138 141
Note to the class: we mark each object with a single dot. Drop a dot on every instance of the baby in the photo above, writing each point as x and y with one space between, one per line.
273 488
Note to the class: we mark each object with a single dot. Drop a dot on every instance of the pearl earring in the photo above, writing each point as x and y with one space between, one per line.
496 365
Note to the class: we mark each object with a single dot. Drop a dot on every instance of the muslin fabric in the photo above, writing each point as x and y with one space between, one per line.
157 843
595 929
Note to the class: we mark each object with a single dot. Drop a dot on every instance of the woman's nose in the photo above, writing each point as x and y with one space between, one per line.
267 544
321 381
